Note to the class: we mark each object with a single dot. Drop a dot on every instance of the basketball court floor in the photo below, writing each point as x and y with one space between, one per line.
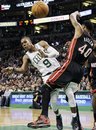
17 119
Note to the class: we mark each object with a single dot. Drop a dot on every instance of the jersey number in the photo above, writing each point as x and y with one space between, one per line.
47 63
87 52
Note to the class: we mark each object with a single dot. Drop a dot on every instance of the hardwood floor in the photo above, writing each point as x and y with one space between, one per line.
17 119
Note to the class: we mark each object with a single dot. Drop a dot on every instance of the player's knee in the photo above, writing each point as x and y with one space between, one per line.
54 104
71 99
45 87
72 103
53 101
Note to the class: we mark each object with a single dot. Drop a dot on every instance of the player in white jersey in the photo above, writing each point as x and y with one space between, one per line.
45 65
43 57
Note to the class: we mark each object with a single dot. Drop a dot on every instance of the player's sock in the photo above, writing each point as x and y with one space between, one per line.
74 114
57 112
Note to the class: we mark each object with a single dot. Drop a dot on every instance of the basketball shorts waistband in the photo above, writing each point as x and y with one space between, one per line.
49 73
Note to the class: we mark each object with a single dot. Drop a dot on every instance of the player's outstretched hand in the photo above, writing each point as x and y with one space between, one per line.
8 70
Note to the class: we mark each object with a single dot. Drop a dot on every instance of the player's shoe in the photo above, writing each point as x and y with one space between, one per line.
59 123
94 128
74 123
42 121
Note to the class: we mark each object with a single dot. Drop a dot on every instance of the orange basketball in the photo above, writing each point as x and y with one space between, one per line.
40 9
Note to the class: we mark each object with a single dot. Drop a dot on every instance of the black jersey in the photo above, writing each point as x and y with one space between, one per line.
72 70
92 65
83 49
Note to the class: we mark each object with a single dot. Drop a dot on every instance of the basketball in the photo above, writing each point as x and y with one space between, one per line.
40 9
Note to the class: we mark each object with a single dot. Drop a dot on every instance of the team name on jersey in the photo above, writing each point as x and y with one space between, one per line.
88 40
93 65
37 58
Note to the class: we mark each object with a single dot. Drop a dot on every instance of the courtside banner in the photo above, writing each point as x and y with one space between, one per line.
83 98
25 99
21 99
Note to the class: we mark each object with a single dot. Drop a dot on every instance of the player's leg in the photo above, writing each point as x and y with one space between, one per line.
43 120
54 96
72 104
75 88
69 91
94 109
79 123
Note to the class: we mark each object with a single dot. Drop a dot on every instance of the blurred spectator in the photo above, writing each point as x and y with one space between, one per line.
5 100
2 90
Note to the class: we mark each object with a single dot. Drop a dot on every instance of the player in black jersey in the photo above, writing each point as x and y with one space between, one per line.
71 71
91 66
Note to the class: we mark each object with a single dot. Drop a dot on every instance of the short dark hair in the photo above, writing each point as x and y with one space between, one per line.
26 37
89 26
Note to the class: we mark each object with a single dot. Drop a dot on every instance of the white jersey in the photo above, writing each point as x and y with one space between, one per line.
44 65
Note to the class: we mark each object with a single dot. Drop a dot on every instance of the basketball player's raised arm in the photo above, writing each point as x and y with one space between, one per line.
78 28
21 69
49 50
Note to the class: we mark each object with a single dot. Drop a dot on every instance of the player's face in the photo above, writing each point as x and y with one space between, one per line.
27 44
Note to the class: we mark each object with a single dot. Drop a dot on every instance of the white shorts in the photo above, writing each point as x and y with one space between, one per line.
45 78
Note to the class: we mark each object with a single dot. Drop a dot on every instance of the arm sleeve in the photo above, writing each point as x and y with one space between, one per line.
51 52
39 47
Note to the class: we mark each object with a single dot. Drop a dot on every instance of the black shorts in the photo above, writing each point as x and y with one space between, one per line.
60 78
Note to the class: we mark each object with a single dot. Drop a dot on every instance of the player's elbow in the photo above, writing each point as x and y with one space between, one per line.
74 15
71 16
23 70
44 42
73 19
53 54
57 54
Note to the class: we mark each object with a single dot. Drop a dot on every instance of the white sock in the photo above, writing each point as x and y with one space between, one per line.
58 114
74 114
